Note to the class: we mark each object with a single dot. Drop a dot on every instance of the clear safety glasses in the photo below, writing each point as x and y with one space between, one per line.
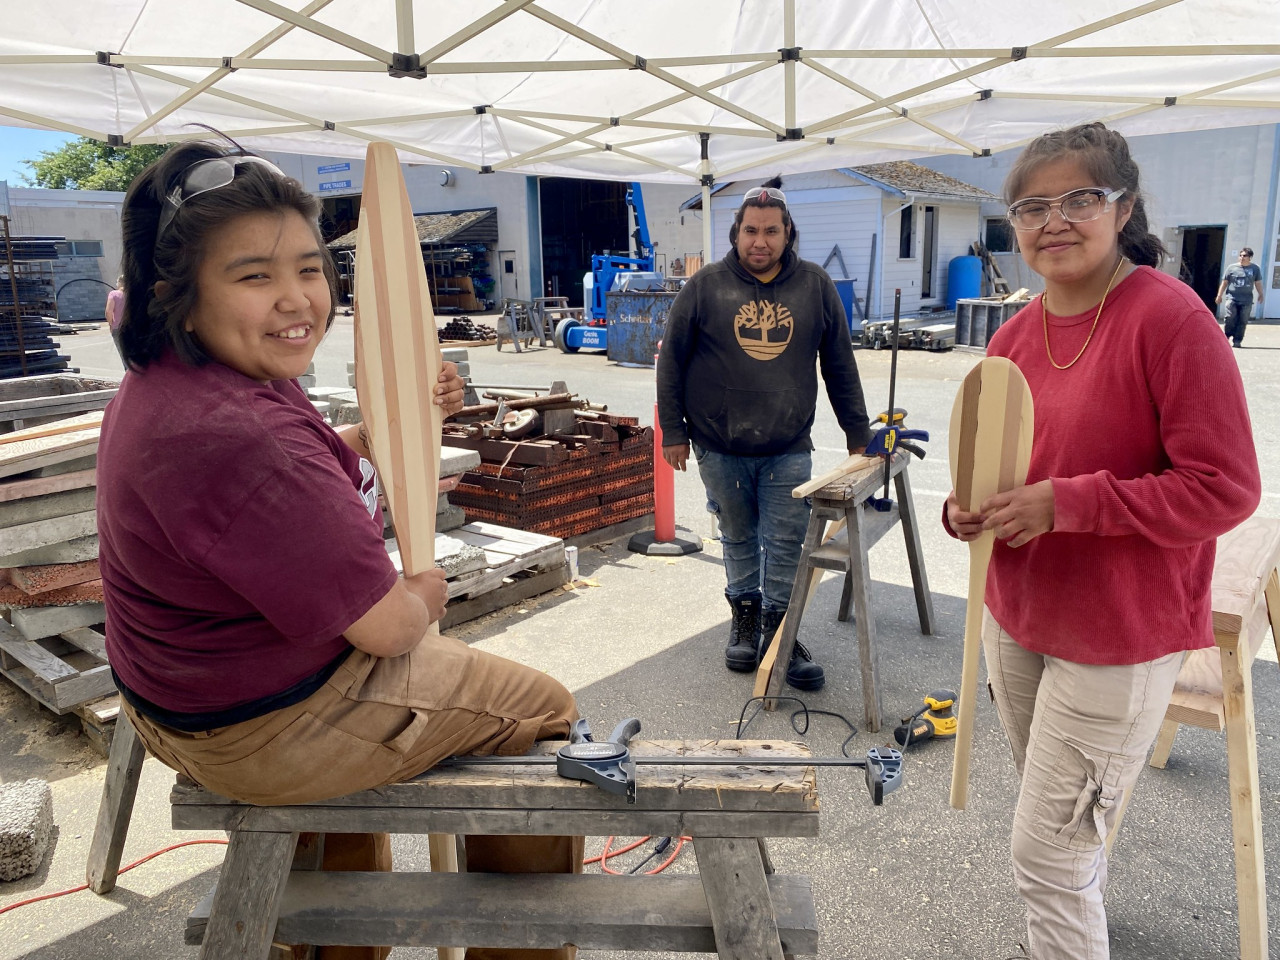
1075 206
772 193
205 175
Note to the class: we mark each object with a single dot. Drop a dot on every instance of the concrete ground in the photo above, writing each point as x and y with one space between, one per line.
912 880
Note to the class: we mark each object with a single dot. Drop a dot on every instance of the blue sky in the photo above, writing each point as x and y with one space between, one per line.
18 144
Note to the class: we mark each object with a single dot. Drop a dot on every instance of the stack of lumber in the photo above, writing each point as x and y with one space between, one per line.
50 586
27 347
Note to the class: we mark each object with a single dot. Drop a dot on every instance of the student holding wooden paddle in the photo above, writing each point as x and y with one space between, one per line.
261 639
1100 577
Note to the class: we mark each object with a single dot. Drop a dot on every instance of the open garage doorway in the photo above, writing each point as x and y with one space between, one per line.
1202 261
338 216
580 218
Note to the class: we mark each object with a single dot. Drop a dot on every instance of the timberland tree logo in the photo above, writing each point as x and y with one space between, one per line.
763 328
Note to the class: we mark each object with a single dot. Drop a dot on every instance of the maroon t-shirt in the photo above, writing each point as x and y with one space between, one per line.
237 539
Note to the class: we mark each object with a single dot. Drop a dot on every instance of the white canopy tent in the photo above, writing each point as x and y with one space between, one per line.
694 91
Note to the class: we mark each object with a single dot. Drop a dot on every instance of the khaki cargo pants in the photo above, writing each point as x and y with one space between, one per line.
381 720
1080 734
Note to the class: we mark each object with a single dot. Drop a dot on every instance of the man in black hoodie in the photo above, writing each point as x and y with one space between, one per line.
737 379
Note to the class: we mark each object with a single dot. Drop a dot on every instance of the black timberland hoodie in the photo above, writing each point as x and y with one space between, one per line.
737 371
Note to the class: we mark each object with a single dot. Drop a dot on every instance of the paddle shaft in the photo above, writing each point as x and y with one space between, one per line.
979 561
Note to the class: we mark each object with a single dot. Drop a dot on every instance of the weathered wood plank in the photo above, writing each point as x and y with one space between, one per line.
119 789
54 429
753 787
667 913
40 486
246 904
20 455
503 821
86 685
90 641
34 657
738 898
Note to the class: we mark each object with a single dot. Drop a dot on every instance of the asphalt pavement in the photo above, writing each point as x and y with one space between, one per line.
643 636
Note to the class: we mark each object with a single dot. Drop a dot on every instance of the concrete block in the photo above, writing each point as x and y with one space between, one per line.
35 623
322 406
307 381
70 551
456 354
65 466
30 509
347 413
450 519
456 460
34 580
464 369
455 557
89 592
26 820
44 533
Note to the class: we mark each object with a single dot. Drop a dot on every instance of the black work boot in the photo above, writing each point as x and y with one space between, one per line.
802 672
744 633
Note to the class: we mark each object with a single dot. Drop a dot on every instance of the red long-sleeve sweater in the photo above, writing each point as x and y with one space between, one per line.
1148 444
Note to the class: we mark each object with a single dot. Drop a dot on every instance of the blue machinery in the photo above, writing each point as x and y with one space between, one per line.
573 335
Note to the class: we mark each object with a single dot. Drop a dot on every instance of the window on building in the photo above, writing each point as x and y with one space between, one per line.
906 234
998 235
87 248
63 248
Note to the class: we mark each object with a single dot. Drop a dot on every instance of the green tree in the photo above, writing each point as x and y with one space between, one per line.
88 164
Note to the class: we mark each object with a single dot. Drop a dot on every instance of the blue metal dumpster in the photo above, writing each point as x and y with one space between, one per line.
635 322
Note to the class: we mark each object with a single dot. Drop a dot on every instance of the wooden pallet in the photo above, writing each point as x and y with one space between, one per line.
508 552
61 672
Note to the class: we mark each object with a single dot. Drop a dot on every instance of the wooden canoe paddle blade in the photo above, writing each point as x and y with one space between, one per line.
990 449
397 363
397 357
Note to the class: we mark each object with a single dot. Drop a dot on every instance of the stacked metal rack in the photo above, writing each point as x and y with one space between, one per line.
26 295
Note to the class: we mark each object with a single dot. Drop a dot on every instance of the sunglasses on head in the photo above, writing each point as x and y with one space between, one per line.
760 194
205 175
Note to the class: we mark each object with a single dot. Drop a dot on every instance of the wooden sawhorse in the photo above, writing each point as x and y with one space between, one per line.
735 907
1215 690
845 501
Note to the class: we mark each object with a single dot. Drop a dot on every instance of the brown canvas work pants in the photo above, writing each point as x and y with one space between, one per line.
382 720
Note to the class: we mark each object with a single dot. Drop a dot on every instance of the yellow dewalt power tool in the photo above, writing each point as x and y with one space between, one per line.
937 718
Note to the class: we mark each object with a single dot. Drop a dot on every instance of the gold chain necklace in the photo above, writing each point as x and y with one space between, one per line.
1044 312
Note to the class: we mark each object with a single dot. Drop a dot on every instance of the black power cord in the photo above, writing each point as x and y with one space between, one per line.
744 721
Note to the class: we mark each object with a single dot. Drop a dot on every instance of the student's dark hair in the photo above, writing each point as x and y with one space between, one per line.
154 323
1105 155
1246 251
764 200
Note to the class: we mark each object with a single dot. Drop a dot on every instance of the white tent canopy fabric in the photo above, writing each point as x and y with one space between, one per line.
621 90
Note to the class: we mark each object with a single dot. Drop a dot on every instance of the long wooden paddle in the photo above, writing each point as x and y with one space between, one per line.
990 449
397 363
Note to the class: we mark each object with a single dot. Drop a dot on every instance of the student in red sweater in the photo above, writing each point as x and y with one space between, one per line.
1100 578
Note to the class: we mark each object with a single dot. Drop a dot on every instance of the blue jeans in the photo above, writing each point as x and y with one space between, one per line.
1236 317
751 498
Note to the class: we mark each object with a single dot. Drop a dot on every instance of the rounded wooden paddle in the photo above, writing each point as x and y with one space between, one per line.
397 363
990 449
